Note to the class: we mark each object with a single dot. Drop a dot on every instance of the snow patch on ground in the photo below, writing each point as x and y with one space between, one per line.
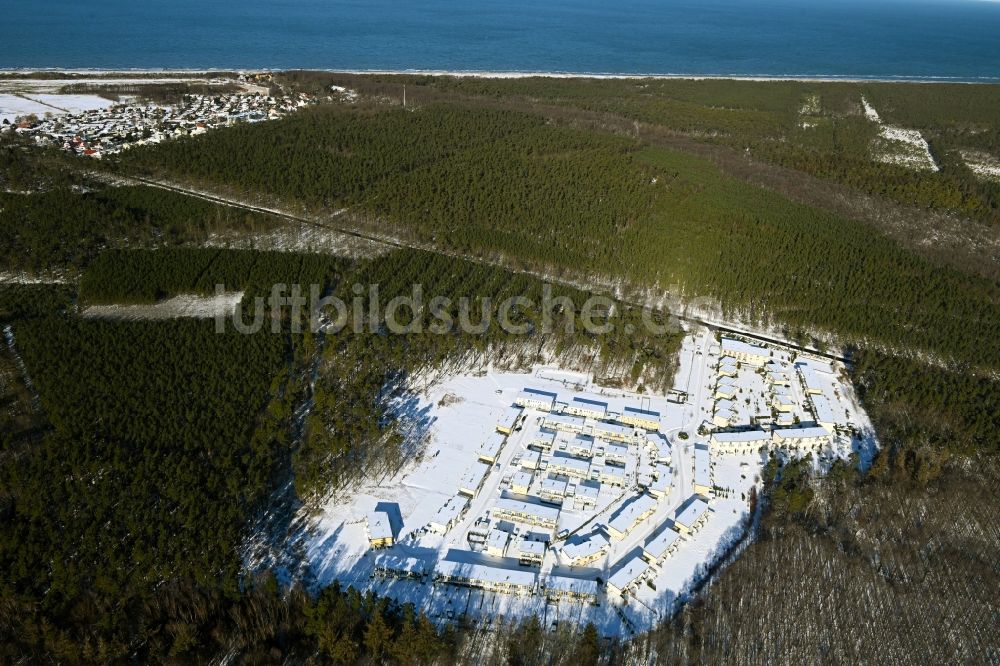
183 306
982 164
899 145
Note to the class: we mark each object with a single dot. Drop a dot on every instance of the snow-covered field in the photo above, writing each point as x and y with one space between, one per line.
14 106
182 306
899 145
666 472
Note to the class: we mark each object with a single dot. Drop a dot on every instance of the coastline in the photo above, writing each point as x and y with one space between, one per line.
24 73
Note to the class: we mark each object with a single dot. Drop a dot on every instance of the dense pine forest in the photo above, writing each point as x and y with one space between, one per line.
136 456
584 204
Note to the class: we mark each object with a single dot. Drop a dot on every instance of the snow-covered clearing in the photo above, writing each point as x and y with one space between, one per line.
299 238
899 145
183 306
9 277
982 164
620 523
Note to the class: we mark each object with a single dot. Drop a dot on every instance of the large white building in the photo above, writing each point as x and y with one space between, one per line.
553 489
474 478
520 483
614 432
591 409
725 413
745 352
536 399
583 550
801 437
399 566
379 527
496 542
567 465
490 450
616 453
725 391
811 380
740 443
661 544
449 514
565 587
822 411
454 568
529 552
542 515
579 445
702 470
691 514
630 572
609 474
586 494
565 423
509 420
640 418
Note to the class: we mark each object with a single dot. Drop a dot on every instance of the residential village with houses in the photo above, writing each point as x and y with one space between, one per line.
549 494
105 131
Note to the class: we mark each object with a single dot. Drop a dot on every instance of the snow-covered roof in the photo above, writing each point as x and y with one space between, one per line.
455 565
400 563
554 486
530 547
659 543
740 347
542 511
591 489
566 461
691 511
702 467
510 415
601 429
629 572
810 378
570 585
568 420
521 479
628 513
589 403
379 525
638 411
822 410
537 394
582 547
807 432
746 436
491 447
661 484
473 478
615 450
497 538
450 510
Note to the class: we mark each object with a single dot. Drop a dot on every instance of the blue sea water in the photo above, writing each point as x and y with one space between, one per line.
851 38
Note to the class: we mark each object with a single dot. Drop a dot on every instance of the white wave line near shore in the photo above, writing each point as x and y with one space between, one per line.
516 74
